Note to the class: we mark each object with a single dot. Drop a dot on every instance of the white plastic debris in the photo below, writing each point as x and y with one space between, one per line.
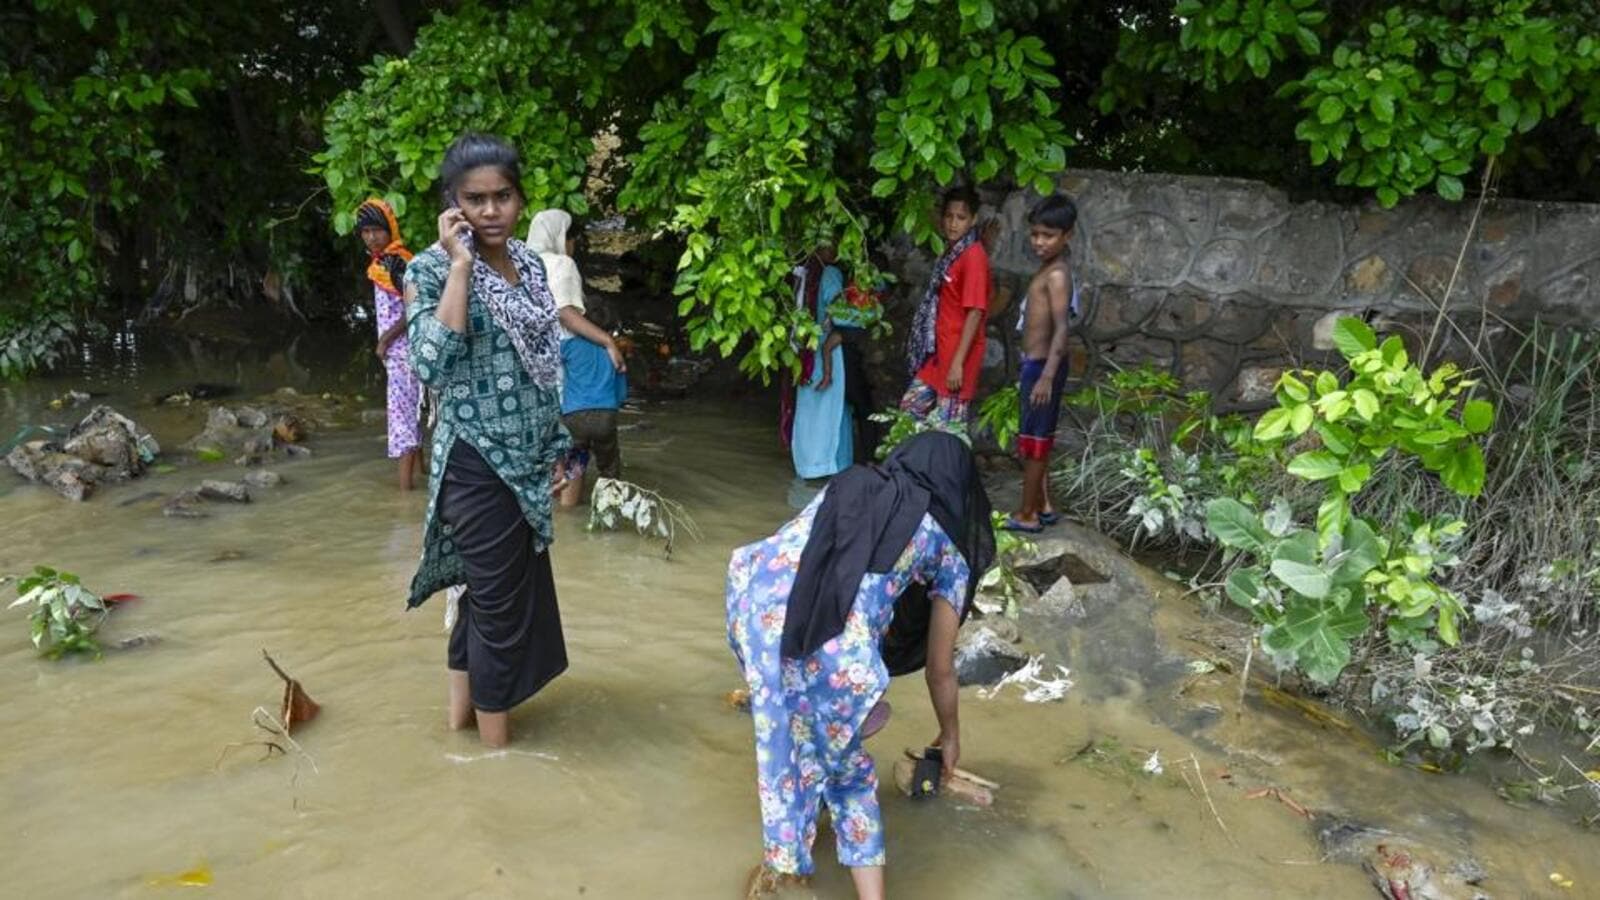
1039 689
1153 764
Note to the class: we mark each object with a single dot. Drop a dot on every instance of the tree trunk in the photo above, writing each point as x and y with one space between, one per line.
395 25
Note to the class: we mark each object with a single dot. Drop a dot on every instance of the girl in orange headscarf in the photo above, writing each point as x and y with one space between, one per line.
379 230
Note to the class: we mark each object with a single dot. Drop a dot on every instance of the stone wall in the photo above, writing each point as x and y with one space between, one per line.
1225 281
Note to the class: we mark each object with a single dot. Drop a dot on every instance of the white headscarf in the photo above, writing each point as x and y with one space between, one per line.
548 237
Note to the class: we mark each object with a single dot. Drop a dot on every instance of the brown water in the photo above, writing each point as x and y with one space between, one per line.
627 777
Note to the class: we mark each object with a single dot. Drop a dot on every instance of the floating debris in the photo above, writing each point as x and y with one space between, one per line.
1038 688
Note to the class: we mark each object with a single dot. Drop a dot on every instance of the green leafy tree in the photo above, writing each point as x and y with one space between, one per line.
549 90
1390 99
808 123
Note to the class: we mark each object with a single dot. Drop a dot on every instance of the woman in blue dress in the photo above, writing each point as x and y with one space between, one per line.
822 445
871 580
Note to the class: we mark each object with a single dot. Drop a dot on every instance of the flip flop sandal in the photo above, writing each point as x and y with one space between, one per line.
1013 525
1049 518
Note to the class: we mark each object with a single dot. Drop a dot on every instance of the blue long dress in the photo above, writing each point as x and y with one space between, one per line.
808 712
822 444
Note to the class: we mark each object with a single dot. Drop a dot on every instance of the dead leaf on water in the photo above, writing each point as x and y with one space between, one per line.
297 704
199 876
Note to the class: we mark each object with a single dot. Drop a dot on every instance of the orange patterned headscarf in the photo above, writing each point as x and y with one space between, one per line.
387 268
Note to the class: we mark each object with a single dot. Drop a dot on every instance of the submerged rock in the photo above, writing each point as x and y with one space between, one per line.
263 478
105 447
186 505
250 435
988 650
231 491
1400 868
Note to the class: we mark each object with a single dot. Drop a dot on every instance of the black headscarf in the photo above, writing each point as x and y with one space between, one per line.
866 520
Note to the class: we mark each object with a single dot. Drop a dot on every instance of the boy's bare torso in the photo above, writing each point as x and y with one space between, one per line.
1038 327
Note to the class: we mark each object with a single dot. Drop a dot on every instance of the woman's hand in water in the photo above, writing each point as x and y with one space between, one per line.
950 746
452 227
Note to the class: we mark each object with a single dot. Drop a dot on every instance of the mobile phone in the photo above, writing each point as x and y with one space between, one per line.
466 239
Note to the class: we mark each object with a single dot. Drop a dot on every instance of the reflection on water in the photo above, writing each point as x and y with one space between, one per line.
628 777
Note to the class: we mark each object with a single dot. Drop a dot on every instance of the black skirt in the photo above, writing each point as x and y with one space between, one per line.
507 636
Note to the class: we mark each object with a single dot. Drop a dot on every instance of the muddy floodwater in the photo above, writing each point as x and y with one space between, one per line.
628 776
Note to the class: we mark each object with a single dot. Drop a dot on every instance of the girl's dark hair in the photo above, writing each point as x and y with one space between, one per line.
960 193
471 151
1055 211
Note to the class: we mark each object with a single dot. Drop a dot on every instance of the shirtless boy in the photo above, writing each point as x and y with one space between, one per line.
1044 356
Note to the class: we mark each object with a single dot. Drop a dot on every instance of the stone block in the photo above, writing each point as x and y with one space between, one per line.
1238 321
1206 365
1248 211
1141 248
1504 286
1369 275
1257 384
1223 265
1180 315
1119 310
1302 257
1431 273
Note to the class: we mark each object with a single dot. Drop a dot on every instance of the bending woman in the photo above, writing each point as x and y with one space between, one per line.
483 333
871 580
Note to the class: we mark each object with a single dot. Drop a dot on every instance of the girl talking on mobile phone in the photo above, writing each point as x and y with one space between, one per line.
483 333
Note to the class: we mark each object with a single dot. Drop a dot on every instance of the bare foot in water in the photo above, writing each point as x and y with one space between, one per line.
764 882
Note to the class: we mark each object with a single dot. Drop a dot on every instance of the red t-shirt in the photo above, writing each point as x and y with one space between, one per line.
966 286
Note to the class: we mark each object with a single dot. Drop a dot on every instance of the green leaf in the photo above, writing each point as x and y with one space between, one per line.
1382 106
1304 579
1256 57
1273 424
1235 525
1353 478
1449 187
1293 388
1244 587
900 10
1366 403
1319 634
1330 110
1333 513
1477 416
1353 337
1394 352
1300 419
1315 465
1362 551
1463 472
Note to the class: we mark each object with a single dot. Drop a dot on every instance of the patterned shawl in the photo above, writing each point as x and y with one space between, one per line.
920 342
526 312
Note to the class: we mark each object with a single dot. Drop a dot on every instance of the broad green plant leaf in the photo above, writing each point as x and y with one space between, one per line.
1353 337
1235 525
1302 578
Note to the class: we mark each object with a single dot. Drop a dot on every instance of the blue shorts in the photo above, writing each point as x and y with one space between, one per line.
1038 434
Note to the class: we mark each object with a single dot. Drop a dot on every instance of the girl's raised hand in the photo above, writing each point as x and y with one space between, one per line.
452 228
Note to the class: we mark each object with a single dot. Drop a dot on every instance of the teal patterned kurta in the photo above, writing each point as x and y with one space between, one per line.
487 399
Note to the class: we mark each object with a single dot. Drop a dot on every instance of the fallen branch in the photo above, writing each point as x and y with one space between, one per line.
1277 793
1207 792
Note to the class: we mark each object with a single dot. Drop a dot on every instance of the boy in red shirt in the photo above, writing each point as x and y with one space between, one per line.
945 347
